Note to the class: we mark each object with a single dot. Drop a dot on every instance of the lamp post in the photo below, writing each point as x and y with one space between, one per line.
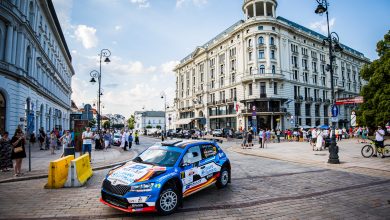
104 53
332 41
164 96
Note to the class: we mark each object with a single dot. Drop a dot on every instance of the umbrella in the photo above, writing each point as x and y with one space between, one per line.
323 127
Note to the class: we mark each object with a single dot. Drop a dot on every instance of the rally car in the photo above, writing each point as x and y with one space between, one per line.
160 177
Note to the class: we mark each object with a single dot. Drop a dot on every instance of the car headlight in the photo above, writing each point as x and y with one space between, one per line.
145 187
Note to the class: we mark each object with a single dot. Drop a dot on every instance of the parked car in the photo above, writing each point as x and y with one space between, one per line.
116 140
217 133
238 135
161 176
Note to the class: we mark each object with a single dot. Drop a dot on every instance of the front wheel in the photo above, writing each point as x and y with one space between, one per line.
367 151
167 202
223 178
386 150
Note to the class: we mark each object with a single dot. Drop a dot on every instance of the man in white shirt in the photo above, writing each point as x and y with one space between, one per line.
87 142
379 137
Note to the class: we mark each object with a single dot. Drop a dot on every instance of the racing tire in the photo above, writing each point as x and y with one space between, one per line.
168 201
367 151
386 150
223 178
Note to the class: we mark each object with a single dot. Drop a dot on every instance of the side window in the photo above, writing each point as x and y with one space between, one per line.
208 151
193 155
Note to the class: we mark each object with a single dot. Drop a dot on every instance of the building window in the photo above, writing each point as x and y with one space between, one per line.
272 41
273 69
261 40
260 28
250 70
250 88
308 109
326 111
308 122
272 54
263 91
305 77
221 81
233 78
295 75
261 54
275 88
317 110
250 56
297 109
262 69
250 43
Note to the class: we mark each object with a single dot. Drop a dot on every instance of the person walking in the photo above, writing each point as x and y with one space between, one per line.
261 138
18 151
379 138
250 139
41 138
244 139
313 138
130 140
136 136
106 138
320 139
66 141
53 142
278 135
364 135
87 137
5 153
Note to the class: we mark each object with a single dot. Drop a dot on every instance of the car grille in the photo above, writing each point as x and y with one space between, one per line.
115 189
116 201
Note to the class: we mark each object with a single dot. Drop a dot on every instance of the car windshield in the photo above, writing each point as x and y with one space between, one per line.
159 157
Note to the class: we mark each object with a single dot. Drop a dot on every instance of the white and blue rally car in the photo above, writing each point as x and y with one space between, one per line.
161 176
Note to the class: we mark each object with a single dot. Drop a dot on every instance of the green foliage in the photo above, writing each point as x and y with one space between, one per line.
131 122
106 125
149 127
376 107
158 126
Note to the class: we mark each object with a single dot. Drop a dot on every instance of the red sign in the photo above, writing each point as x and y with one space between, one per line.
355 100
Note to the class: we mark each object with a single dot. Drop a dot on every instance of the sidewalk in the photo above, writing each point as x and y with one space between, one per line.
40 160
301 152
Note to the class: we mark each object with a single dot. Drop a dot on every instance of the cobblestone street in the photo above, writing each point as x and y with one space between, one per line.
261 189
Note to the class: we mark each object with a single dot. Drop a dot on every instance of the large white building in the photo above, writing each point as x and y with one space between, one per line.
35 67
149 119
266 72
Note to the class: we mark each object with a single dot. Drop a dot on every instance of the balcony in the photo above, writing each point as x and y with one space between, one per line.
327 101
309 99
263 95
298 98
262 110
254 77
211 103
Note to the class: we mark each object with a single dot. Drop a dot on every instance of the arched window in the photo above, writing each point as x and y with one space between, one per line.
262 69
250 70
31 13
272 41
260 40
273 69
28 60
250 42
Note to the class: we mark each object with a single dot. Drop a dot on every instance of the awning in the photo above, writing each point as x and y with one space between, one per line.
184 121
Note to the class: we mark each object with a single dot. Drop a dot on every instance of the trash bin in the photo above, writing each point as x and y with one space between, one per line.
69 151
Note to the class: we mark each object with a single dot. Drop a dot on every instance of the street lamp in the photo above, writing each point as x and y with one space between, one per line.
164 96
334 47
97 76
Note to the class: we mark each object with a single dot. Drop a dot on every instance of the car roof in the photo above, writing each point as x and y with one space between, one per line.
183 144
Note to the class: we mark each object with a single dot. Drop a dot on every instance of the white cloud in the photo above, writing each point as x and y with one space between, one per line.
322 25
141 3
63 10
167 68
87 36
118 27
198 3
118 67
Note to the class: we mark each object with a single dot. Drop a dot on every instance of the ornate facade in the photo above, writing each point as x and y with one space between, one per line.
266 72
35 67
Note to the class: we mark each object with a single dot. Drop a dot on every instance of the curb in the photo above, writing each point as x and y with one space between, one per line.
42 176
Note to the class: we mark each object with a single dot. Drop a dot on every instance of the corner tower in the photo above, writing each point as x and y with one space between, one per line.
259 8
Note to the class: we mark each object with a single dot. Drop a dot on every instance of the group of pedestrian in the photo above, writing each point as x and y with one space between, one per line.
12 149
264 136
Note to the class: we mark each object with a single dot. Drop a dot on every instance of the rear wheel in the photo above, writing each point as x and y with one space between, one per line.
367 151
386 150
168 201
223 178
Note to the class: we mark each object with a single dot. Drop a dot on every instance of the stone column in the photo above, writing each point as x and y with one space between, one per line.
254 9
19 49
246 13
273 11
265 8
8 45
14 46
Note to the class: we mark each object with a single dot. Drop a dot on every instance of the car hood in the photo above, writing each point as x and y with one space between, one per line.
134 172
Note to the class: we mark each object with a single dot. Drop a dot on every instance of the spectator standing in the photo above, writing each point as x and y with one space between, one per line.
278 135
130 140
320 139
18 151
66 141
250 139
136 135
53 142
379 138
41 138
364 135
313 137
87 137
261 138
244 139
5 153
106 138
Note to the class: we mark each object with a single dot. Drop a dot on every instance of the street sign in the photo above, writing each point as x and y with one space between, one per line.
335 111
353 120
335 119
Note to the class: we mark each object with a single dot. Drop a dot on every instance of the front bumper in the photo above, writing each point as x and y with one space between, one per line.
123 204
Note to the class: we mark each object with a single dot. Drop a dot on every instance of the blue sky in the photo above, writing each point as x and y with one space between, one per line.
148 37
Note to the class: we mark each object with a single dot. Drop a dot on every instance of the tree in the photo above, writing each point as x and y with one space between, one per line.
376 107
92 123
158 126
106 125
131 122
149 127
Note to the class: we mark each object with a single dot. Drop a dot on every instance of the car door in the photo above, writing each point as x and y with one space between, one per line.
190 168
208 168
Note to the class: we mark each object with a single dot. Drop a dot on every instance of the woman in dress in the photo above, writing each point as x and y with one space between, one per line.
18 151
5 153
53 142
320 139
66 140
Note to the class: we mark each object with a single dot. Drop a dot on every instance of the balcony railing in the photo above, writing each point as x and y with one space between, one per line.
262 109
252 77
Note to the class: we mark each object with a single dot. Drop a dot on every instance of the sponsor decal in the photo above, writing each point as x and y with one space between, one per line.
140 199
209 169
182 175
208 160
137 205
194 184
221 155
158 186
138 167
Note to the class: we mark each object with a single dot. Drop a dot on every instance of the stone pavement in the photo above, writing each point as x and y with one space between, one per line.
301 152
40 159
261 188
